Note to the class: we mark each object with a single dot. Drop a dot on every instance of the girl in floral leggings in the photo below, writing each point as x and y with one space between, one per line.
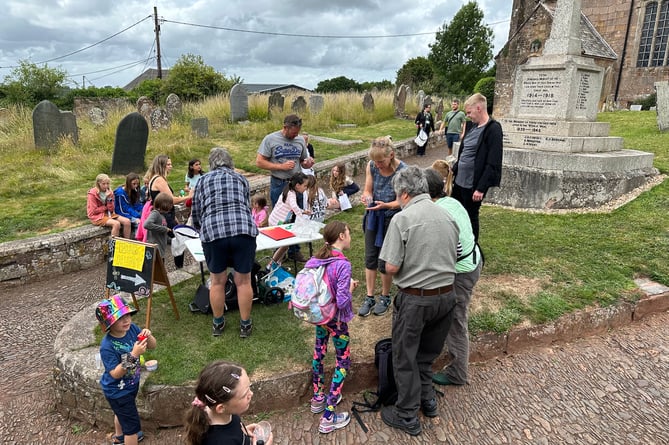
337 236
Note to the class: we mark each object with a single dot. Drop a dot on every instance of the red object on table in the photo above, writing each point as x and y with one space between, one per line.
277 233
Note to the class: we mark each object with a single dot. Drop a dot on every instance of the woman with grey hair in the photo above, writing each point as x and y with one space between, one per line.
222 213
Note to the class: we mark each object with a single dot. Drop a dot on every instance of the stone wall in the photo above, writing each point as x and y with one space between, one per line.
32 259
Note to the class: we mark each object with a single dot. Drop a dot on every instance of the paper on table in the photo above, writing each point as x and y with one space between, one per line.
277 233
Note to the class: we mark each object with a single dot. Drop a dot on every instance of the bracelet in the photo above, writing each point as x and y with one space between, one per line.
129 362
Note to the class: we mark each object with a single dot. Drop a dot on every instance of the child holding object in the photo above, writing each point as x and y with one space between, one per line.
193 175
100 207
286 208
337 237
222 394
120 351
341 185
155 224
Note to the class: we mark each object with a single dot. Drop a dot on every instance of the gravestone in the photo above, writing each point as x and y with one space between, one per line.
4 115
662 92
400 100
275 103
440 111
132 134
145 106
316 103
160 119
239 103
635 107
50 124
368 103
173 105
420 99
98 116
200 126
299 105
555 153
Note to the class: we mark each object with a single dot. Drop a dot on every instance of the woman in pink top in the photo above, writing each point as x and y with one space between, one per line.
286 208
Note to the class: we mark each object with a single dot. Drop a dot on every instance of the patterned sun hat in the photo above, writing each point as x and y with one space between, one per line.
109 311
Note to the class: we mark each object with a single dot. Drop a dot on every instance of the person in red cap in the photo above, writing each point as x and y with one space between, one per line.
120 349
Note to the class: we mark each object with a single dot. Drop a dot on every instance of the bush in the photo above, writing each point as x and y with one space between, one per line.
486 86
647 102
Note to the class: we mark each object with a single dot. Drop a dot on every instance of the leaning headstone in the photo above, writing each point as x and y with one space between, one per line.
440 110
239 103
132 134
299 105
98 116
662 92
368 102
160 119
200 126
316 103
401 100
275 104
173 105
49 125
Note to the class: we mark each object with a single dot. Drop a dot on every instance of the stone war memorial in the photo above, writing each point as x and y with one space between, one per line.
556 156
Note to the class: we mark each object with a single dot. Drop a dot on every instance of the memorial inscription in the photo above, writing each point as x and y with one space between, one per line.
540 91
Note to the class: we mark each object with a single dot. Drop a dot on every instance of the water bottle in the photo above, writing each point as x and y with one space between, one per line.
262 431
98 361
182 193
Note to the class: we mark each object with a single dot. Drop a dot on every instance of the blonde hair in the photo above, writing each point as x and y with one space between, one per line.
101 178
444 169
476 98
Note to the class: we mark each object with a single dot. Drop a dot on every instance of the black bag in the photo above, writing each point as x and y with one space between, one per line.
386 391
200 303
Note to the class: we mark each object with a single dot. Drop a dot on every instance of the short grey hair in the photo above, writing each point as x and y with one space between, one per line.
410 180
219 157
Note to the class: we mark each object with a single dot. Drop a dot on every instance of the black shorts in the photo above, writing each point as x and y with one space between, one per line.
125 409
238 252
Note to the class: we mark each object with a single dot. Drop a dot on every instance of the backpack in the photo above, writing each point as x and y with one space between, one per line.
386 391
312 300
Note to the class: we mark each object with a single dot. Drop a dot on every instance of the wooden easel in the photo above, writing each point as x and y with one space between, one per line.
160 277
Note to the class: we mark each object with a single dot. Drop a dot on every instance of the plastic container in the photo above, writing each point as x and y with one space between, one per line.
262 432
151 365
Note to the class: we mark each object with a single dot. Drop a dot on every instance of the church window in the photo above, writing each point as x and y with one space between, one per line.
654 35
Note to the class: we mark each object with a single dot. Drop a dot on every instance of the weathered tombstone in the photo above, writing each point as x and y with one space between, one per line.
401 100
132 134
275 104
160 119
368 102
173 105
420 99
144 104
98 116
662 92
50 124
239 103
4 115
200 126
635 107
316 103
440 110
299 105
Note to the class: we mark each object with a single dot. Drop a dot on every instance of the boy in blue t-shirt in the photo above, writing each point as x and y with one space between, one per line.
120 350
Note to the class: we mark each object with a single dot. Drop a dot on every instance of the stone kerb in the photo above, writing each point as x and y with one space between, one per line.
78 394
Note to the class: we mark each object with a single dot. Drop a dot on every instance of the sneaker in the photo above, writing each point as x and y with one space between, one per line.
381 306
440 378
430 407
297 256
367 306
409 426
339 420
318 403
245 331
217 329
120 440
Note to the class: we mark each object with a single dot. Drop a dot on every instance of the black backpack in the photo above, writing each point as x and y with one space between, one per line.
386 391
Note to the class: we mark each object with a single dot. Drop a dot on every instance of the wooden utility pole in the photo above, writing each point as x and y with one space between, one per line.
157 29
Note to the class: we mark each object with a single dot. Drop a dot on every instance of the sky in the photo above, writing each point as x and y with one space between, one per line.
301 42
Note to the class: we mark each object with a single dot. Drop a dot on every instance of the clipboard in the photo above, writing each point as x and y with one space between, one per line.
277 233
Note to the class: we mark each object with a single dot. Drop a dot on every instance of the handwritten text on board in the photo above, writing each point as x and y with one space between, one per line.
128 255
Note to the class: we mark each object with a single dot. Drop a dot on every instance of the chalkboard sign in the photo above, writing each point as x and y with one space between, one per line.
133 267
130 266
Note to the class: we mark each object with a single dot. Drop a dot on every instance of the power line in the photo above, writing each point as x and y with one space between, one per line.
87 47
311 36
114 67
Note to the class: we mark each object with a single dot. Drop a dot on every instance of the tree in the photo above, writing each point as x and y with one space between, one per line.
382 85
462 50
191 79
415 72
486 86
29 84
337 84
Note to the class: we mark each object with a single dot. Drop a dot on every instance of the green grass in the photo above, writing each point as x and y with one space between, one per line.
576 260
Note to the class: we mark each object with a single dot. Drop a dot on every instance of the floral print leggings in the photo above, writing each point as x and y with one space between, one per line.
338 330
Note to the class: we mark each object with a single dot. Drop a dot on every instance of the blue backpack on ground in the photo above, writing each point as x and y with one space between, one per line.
312 300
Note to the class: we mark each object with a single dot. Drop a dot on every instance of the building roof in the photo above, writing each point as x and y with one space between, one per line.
268 88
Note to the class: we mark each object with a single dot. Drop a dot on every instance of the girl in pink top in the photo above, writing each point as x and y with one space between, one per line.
286 207
260 210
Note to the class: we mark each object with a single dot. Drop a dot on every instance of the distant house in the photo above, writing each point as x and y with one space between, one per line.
149 74
252 88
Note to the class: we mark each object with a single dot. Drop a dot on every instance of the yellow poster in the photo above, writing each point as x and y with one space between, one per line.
128 255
